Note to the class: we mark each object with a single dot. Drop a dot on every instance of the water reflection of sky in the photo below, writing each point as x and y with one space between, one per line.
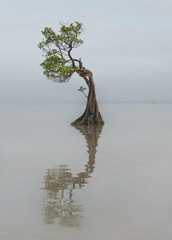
128 194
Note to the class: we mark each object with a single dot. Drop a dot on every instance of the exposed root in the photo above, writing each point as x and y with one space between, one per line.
85 119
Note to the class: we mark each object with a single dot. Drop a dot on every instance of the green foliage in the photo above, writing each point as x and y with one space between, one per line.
82 89
55 68
58 64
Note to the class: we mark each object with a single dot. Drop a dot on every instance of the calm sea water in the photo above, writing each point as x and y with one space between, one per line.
61 182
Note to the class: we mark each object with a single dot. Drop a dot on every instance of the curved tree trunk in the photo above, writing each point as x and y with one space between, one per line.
91 114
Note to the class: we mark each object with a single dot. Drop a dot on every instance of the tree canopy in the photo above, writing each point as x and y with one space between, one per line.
59 64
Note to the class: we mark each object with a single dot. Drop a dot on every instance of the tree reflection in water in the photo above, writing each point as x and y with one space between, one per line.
60 184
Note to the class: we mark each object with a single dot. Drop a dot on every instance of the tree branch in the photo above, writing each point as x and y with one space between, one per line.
73 63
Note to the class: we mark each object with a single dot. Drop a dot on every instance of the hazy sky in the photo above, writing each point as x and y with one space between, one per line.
127 45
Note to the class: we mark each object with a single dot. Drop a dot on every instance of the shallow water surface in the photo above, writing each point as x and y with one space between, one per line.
62 182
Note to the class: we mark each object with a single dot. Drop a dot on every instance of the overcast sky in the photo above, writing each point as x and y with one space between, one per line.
127 45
